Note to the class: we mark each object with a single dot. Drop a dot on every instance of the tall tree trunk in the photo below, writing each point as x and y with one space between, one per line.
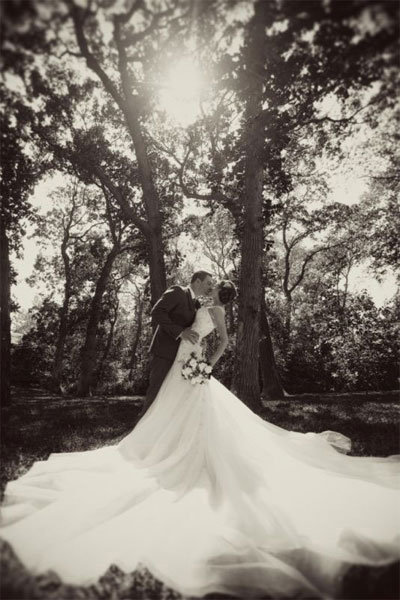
88 358
246 381
60 346
138 333
158 281
109 341
5 308
231 320
272 384
288 322
151 200
129 105
63 325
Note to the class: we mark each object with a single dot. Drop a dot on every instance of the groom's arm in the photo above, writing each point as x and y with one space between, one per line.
160 312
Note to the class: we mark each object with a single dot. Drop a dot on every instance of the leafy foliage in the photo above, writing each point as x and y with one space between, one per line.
19 172
333 347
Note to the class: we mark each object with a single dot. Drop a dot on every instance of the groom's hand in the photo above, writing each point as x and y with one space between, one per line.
189 335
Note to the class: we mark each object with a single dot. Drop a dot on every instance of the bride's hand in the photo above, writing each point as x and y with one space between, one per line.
190 336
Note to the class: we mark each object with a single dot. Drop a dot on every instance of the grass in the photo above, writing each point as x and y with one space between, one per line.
38 423
373 426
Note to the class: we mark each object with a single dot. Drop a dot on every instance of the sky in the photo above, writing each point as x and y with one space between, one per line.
23 293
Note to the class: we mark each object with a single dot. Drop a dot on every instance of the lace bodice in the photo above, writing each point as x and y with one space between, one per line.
203 325
203 322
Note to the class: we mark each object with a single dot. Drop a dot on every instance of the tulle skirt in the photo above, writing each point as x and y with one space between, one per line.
210 498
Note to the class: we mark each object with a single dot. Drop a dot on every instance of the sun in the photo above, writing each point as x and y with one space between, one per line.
181 91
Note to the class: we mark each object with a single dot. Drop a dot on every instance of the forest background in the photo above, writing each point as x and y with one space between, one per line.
144 140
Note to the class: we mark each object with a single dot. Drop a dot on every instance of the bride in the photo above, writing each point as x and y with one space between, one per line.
210 497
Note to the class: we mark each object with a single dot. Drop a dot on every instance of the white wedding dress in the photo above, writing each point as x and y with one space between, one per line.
210 498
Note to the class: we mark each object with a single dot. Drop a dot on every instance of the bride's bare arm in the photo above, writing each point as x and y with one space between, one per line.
218 316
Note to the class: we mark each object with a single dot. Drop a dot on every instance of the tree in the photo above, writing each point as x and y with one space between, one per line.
33 353
58 86
215 233
87 230
306 232
295 79
128 45
122 239
112 320
70 226
252 239
138 319
214 238
298 83
272 387
19 174
380 211
340 350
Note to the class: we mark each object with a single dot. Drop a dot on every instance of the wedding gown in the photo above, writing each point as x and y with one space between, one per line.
211 498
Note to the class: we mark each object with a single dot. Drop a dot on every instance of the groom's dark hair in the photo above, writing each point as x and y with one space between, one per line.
200 275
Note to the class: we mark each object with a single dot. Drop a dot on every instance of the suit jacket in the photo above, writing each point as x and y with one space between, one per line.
172 313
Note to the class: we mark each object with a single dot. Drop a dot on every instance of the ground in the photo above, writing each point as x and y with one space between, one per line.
38 423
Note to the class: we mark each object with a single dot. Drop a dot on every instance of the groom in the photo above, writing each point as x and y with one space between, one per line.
173 314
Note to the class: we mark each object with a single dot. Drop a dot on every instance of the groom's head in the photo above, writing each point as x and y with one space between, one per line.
202 283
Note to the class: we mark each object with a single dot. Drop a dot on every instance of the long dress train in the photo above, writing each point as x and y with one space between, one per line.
211 498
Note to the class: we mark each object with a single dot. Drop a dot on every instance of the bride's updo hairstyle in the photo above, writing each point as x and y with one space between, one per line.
226 291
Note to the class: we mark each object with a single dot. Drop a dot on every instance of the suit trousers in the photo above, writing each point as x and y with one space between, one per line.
159 368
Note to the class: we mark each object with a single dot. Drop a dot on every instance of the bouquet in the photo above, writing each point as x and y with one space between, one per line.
196 370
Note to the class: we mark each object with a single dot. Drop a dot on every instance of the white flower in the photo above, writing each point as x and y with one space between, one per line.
208 369
192 363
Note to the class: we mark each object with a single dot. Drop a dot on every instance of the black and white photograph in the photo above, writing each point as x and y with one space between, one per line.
199 262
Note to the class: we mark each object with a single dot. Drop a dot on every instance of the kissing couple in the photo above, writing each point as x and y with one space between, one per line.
174 314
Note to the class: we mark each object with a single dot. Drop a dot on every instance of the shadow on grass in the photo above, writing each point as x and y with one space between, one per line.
372 427
31 433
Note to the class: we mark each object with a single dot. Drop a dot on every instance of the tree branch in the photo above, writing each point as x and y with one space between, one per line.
216 195
160 146
308 258
125 17
133 38
110 219
122 58
79 16
84 234
126 208
343 120
284 236
298 238
285 283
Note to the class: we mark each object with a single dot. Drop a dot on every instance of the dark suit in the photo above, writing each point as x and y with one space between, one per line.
172 313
